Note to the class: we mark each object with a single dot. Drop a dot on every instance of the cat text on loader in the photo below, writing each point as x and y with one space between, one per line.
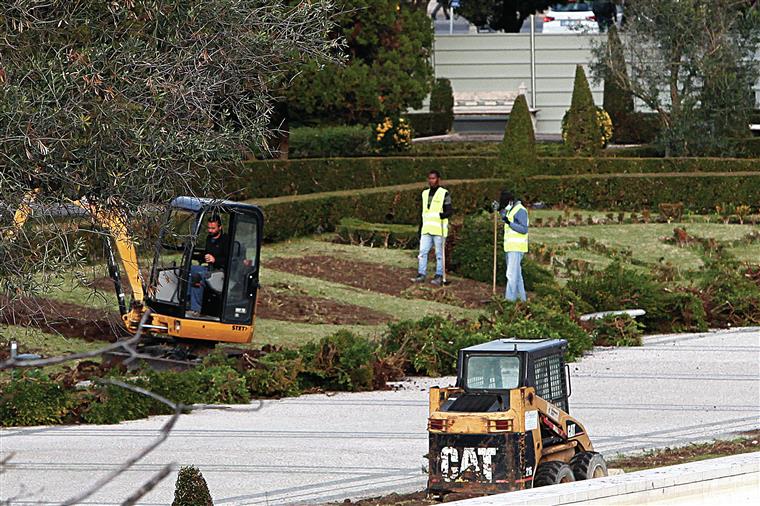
505 425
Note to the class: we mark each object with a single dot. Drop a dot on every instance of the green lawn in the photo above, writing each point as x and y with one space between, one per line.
644 240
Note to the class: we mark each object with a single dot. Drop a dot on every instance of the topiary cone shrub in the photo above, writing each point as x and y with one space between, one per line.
518 149
583 135
191 488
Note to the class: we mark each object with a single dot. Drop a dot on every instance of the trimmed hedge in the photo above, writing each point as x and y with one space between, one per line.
307 214
353 231
698 192
268 179
265 179
323 142
624 165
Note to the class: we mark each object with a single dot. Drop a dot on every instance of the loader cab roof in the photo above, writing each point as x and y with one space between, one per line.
498 366
512 345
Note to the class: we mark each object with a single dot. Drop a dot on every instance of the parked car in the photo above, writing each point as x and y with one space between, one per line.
571 17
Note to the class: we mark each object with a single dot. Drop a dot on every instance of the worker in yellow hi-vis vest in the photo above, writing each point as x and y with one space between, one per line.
436 211
515 218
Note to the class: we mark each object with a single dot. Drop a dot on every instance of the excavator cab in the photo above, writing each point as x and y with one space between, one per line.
506 424
227 288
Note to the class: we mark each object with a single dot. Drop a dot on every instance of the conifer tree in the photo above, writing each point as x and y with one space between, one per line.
518 149
584 137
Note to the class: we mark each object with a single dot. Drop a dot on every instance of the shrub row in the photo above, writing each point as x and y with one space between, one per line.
339 362
323 142
353 231
698 192
620 165
308 214
275 178
266 179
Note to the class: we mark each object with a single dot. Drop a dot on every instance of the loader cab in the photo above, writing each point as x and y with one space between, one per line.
229 290
491 370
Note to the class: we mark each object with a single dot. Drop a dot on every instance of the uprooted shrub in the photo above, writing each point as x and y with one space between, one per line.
191 488
32 398
429 346
206 384
616 330
617 287
341 361
535 321
730 294
276 374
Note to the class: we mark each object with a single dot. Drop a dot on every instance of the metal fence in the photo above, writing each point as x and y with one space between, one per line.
492 62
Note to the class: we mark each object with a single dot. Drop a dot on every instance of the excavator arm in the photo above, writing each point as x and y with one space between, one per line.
121 252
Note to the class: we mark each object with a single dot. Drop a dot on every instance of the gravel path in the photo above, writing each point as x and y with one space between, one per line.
673 390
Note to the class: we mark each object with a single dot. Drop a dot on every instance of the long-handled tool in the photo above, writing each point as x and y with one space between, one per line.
495 238
444 281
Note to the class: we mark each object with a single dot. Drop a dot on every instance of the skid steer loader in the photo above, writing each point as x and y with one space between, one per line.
505 425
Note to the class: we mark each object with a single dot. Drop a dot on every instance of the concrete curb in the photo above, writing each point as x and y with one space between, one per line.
730 478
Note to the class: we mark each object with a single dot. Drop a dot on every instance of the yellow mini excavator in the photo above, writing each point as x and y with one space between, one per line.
229 290
505 425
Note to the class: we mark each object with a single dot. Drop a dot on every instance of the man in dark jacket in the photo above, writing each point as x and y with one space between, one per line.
214 256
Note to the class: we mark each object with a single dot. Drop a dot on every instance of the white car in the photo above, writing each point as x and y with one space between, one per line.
569 18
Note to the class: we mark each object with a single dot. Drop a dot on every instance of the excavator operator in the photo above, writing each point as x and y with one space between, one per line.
215 258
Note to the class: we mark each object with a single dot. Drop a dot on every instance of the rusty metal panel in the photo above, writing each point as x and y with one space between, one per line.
484 463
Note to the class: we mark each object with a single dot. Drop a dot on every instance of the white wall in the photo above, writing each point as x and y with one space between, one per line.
489 62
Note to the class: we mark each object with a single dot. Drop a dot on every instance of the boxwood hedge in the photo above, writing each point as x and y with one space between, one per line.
275 178
699 192
267 179
315 213
307 214
620 165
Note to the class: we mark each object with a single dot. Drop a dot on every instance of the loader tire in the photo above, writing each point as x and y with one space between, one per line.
588 465
553 473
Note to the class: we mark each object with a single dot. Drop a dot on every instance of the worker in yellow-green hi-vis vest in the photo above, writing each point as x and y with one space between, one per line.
436 211
515 218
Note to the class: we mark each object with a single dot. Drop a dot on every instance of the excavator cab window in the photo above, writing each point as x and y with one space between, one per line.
167 279
229 285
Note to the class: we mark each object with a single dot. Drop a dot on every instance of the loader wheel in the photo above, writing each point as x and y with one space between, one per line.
588 465
553 473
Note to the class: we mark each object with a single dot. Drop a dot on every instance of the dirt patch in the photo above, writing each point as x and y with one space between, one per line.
383 279
56 317
414 499
748 442
290 304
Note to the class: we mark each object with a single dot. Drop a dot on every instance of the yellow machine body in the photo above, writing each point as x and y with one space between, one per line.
501 438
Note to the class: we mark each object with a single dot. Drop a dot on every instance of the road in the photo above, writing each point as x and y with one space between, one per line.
315 448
